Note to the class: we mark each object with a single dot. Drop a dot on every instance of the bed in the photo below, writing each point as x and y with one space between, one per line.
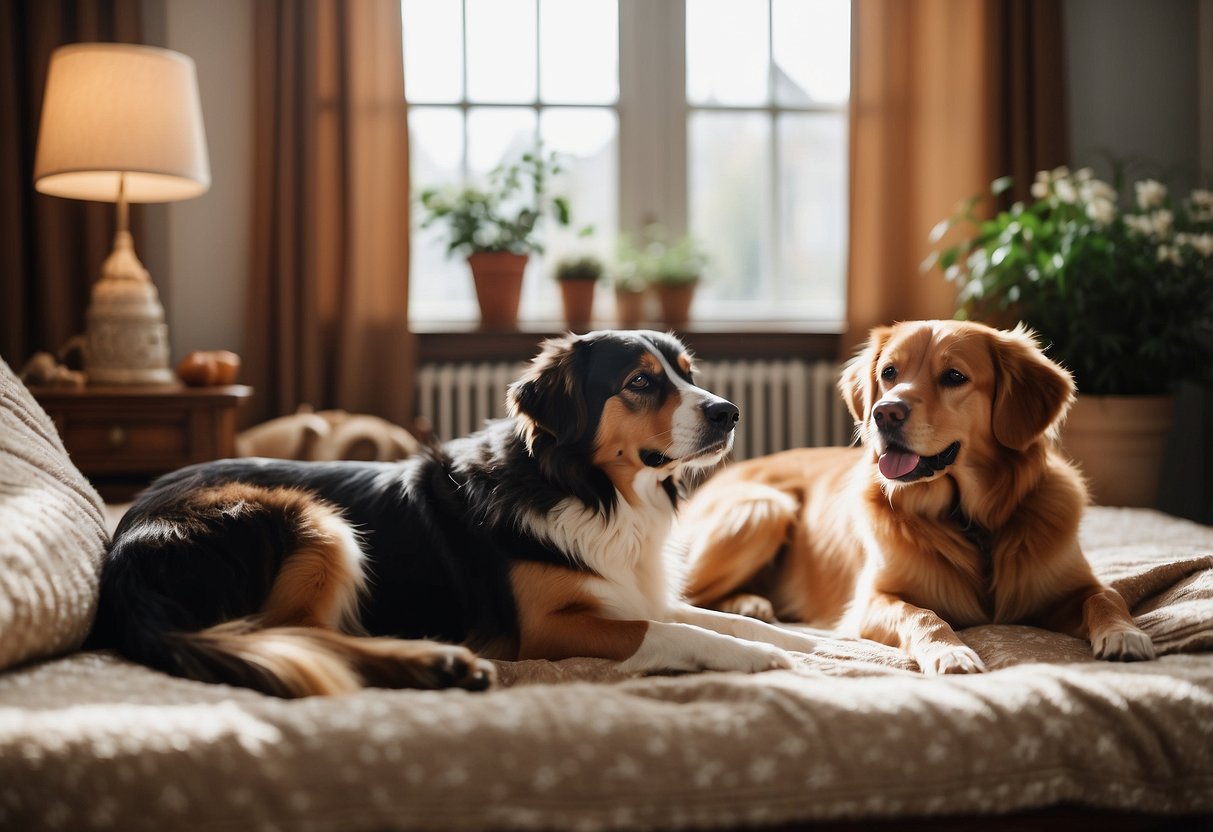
853 733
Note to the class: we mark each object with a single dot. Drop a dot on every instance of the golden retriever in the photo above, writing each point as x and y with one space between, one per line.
956 510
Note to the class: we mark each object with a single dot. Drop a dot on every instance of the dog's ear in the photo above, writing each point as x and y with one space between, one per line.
1031 393
858 380
549 398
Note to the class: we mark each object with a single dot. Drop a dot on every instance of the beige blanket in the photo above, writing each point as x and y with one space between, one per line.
90 741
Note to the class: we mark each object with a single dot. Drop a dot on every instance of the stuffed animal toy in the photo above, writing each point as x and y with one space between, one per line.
327 435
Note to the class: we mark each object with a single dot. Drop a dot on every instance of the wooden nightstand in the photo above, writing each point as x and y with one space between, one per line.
123 437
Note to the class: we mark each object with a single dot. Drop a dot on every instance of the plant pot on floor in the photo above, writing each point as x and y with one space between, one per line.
1119 442
498 278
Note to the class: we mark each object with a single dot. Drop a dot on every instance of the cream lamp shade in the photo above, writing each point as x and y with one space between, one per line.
113 109
122 123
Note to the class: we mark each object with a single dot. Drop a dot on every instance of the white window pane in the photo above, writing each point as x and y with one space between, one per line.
586 142
728 54
812 51
440 287
497 135
433 50
501 50
813 211
579 51
730 208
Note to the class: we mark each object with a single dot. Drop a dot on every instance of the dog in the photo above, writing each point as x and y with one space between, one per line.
957 509
540 537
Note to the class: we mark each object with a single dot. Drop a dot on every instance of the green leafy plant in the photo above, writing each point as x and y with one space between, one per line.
658 259
1121 295
587 267
502 216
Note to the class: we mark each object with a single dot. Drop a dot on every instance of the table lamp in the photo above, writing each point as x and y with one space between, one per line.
122 123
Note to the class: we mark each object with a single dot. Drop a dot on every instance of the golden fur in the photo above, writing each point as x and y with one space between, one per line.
824 537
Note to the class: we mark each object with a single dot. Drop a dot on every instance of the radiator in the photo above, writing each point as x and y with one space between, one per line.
784 404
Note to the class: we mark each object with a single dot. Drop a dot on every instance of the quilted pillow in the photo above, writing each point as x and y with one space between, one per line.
52 534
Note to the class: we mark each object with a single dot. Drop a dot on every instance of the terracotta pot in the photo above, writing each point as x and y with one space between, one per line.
1119 442
629 308
498 278
675 300
578 297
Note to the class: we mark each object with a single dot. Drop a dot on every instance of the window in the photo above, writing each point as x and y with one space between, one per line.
724 117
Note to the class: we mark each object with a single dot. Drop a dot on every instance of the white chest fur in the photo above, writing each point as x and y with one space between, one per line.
623 549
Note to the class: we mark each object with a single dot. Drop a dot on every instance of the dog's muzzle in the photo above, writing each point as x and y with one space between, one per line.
902 465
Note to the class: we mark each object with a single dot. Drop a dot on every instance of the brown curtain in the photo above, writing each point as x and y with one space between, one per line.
50 249
328 317
947 95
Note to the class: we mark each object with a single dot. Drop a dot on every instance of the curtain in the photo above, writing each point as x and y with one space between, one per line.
328 312
947 95
51 249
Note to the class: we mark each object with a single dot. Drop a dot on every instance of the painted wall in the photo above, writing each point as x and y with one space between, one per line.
200 250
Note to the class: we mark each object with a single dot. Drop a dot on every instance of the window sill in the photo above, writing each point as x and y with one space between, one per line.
442 341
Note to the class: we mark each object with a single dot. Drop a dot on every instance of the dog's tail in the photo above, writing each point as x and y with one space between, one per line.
257 587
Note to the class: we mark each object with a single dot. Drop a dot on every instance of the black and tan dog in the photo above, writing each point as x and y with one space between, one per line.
540 537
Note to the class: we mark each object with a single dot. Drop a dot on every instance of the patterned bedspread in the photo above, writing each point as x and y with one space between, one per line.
90 741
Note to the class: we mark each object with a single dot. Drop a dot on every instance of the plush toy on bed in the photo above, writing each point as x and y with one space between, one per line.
326 435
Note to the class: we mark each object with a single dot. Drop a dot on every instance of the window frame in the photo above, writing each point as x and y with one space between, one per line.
653 115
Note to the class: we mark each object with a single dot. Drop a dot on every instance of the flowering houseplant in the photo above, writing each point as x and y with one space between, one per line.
1123 298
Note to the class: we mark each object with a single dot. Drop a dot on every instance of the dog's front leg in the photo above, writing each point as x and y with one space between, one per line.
744 627
929 640
643 646
1109 625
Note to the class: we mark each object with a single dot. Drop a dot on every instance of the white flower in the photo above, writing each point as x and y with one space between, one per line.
1138 224
1169 254
1095 189
1062 172
1039 190
1161 222
1150 193
1065 191
1083 175
1043 176
1200 197
1101 211
1202 244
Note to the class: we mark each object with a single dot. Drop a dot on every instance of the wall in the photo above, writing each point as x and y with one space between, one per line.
200 251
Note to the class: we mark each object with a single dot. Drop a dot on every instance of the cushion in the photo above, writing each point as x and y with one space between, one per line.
52 534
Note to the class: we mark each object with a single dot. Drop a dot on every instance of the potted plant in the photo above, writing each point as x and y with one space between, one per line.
578 277
495 228
1120 294
671 267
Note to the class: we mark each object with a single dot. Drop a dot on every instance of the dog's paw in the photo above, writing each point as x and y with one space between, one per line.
392 663
1123 646
745 657
751 606
949 660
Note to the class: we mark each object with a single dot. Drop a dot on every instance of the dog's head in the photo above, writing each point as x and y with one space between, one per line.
622 402
927 395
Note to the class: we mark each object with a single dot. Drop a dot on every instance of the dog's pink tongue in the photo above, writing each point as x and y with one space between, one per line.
896 464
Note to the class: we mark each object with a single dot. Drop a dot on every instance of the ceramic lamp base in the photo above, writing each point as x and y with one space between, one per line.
126 338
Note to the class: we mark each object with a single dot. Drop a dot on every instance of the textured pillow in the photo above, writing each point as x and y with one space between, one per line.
52 534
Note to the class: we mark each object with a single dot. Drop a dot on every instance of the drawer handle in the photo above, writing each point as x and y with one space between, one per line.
117 436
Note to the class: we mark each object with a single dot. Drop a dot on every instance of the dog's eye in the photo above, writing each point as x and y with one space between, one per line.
889 373
640 381
953 378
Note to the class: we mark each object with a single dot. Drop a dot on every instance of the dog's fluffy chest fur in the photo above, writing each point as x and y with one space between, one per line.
622 548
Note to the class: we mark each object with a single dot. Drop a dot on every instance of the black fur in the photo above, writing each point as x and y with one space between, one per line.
439 531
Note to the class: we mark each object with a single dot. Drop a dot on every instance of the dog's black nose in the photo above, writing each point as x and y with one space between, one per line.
723 414
889 413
